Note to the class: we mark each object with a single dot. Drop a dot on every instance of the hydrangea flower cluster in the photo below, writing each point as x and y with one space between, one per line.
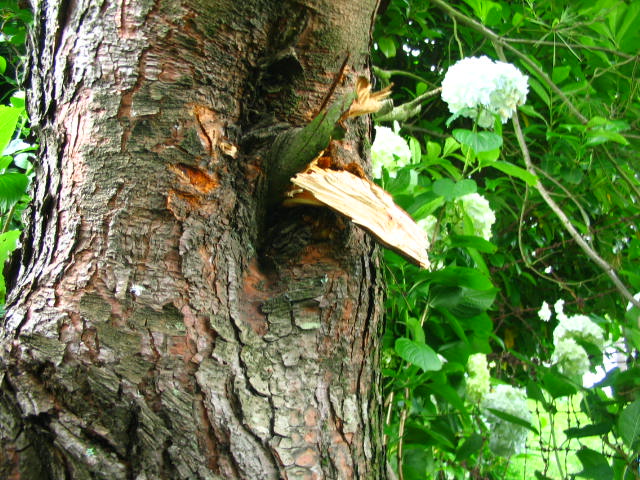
507 438
570 357
478 209
545 312
579 327
478 379
389 150
479 88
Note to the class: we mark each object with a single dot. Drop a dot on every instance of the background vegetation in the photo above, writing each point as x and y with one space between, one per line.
563 183
16 151
575 167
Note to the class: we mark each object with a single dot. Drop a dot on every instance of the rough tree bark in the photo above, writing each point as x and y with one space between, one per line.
167 318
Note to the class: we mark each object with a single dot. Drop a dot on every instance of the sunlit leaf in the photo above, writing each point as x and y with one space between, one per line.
8 120
595 465
387 47
12 187
478 141
629 424
515 171
418 354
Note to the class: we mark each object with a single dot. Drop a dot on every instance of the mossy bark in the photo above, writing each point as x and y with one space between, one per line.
166 318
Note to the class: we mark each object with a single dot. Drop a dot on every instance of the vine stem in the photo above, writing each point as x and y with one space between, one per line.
403 420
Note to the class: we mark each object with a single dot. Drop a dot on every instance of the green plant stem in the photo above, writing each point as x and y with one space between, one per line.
10 214
403 420
554 441
498 40
387 422
386 74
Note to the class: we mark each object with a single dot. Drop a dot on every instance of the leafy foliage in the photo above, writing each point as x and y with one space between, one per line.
564 184
16 154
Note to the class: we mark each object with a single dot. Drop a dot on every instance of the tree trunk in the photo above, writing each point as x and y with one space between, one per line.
167 318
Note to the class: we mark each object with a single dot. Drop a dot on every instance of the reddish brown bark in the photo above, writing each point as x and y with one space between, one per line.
163 321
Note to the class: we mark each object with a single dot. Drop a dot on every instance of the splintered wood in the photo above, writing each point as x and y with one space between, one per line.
366 205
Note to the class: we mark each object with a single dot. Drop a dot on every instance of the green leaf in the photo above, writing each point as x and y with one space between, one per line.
417 462
560 74
416 153
418 354
478 141
12 187
433 151
593 430
513 419
595 465
8 121
387 46
450 146
467 241
462 276
540 90
629 424
489 156
3 65
470 446
414 327
515 171
600 136
443 187
455 326
447 188
8 243
558 385
461 301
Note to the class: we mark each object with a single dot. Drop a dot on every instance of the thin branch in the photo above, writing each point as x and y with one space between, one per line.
586 248
407 110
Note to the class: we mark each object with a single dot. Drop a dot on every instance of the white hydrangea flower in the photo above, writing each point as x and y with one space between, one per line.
389 150
507 438
545 312
571 358
428 224
478 209
478 379
579 327
559 309
478 88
